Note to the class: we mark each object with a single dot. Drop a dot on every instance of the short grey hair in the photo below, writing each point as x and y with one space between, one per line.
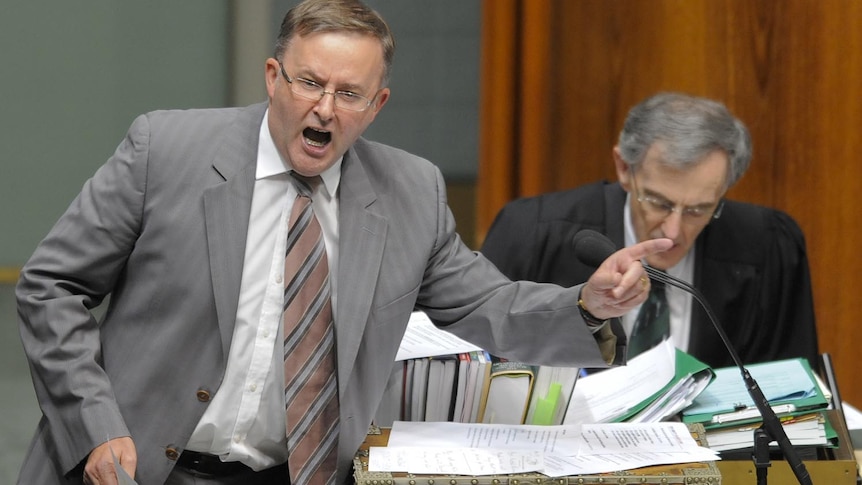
313 16
689 128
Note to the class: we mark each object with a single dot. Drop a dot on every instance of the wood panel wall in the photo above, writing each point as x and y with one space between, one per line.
790 69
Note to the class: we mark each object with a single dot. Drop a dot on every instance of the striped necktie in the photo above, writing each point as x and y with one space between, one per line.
652 325
311 390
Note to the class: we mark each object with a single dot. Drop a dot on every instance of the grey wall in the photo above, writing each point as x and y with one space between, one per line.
73 75
434 107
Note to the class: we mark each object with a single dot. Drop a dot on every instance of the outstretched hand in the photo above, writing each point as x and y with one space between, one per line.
621 283
100 470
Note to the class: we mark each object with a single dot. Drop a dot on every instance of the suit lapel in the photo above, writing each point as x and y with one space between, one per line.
362 234
227 206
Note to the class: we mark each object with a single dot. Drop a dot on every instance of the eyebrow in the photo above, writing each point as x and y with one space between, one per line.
702 205
309 76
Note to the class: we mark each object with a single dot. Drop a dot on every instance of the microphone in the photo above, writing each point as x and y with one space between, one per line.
591 248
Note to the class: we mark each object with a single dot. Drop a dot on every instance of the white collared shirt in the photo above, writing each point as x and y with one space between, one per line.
246 419
678 300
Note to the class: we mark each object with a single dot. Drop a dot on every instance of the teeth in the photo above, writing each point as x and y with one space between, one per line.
316 138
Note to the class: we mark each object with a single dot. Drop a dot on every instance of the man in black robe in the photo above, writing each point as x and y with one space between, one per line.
676 158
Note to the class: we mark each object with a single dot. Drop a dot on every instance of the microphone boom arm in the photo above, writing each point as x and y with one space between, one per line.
592 248
771 423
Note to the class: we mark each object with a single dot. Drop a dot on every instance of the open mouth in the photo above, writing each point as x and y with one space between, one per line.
316 138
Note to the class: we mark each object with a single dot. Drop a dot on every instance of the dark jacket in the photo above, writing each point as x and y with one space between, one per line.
751 267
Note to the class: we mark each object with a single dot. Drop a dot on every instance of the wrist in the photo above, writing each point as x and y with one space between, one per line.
592 320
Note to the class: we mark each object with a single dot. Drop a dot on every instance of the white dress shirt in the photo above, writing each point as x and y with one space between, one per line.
245 420
678 300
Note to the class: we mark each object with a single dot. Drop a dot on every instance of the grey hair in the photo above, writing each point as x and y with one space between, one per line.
312 16
689 128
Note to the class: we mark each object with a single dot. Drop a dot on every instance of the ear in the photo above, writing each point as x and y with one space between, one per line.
624 171
381 99
272 71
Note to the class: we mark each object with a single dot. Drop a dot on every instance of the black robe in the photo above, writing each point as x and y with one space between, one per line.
751 267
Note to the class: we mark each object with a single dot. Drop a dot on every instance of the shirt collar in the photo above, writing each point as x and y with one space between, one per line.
270 162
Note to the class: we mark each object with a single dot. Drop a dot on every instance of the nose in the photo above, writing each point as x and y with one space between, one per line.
672 225
325 106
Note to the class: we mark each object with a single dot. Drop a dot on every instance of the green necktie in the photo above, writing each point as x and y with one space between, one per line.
653 321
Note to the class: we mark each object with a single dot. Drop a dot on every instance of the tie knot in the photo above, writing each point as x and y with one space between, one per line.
657 288
304 185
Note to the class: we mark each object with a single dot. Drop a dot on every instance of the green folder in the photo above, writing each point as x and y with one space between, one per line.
788 384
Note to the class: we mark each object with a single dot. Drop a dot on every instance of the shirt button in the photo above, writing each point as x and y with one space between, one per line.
278 279
252 387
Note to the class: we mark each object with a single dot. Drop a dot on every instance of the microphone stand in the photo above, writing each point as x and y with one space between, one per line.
771 429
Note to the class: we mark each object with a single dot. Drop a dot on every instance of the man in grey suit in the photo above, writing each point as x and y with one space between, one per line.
184 228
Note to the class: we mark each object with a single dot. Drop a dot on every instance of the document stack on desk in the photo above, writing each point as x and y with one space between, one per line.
654 386
729 416
439 377
554 451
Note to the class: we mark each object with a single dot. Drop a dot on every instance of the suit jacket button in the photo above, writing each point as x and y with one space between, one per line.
172 453
203 395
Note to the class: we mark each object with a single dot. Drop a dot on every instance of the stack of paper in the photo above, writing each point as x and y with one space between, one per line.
556 451
730 416
805 430
439 377
654 386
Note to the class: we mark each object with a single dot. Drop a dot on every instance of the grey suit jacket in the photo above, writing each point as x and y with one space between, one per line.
161 230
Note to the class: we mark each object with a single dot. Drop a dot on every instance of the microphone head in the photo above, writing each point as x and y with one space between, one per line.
592 247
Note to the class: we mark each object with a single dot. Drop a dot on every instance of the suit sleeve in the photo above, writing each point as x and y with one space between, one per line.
70 273
525 321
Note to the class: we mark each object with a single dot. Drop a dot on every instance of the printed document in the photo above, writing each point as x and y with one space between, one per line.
488 449
605 396
423 339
